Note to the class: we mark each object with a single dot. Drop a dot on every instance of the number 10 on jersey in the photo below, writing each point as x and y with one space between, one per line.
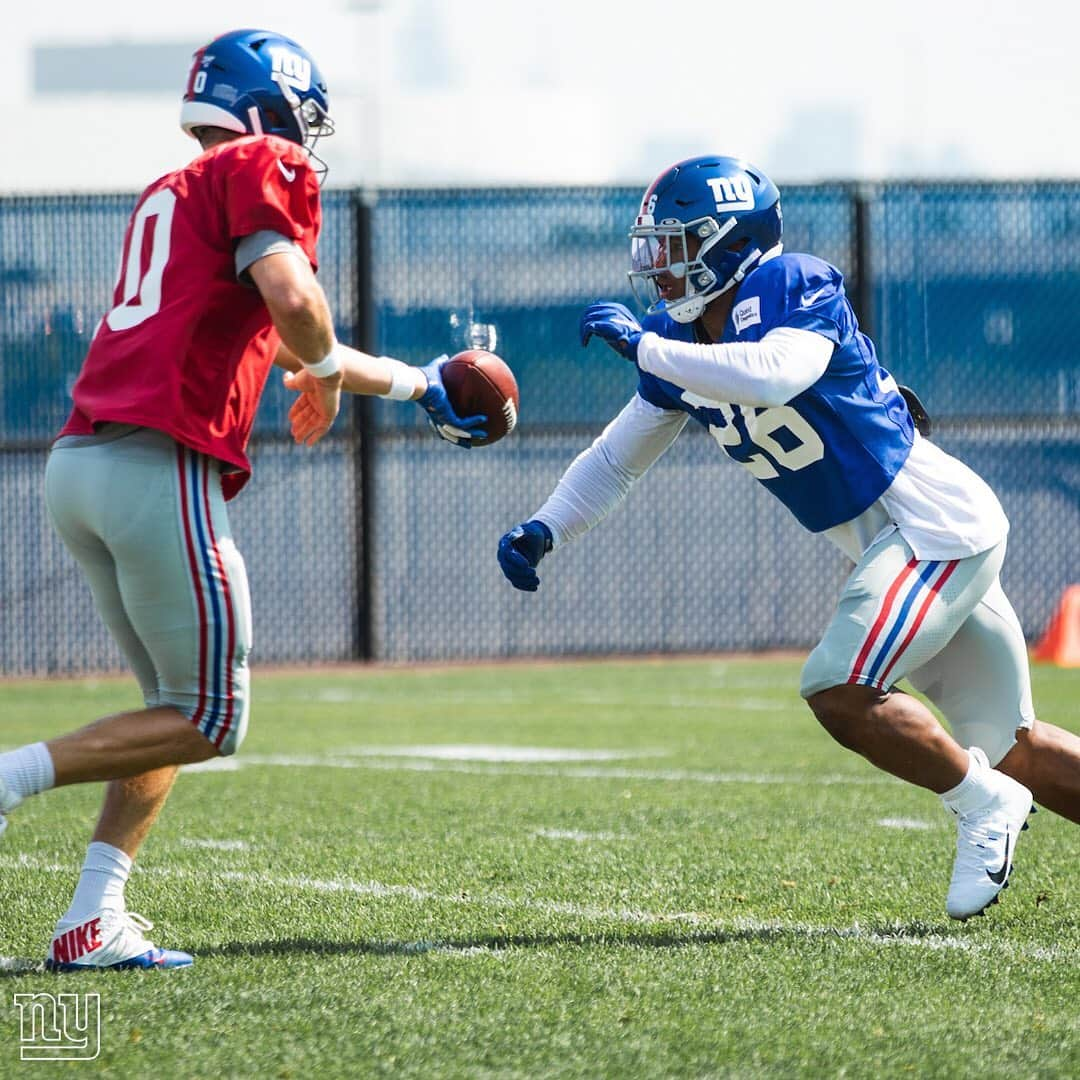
141 296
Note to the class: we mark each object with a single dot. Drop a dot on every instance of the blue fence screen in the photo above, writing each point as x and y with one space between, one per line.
971 291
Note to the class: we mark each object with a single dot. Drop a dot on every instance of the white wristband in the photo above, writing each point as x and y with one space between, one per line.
402 380
329 365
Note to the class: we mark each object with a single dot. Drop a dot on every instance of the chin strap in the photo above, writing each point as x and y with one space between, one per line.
743 269
747 264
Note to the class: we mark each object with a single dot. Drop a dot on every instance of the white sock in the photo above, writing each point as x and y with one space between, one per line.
101 883
977 787
27 771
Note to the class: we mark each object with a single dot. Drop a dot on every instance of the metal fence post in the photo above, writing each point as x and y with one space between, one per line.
862 299
363 435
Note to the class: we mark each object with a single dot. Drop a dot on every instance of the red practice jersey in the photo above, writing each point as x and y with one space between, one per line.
186 348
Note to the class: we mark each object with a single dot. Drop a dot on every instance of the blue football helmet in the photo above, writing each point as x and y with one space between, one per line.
708 221
256 82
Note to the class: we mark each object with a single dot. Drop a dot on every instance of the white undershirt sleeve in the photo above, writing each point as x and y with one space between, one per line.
769 372
599 478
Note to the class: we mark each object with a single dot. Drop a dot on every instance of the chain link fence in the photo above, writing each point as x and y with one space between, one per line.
381 542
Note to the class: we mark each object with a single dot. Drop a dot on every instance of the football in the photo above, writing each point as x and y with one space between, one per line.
479 382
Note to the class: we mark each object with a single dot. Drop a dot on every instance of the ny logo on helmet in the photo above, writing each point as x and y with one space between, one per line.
732 192
291 69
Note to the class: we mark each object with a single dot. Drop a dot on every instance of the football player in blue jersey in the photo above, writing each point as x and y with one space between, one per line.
762 348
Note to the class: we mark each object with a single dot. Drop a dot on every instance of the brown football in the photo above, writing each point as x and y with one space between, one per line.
479 382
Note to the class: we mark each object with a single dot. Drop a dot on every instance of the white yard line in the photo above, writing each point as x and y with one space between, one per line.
569 772
18 963
718 699
736 928
215 845
908 823
578 835
714 704
499 754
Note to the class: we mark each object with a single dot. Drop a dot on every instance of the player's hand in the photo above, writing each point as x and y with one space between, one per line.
613 323
313 412
519 552
459 430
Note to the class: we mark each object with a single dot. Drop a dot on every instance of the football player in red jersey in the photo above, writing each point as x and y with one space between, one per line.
216 285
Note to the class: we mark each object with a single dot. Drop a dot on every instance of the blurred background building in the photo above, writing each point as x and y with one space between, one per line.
569 91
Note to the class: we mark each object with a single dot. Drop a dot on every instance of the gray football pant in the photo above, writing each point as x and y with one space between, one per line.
946 626
146 521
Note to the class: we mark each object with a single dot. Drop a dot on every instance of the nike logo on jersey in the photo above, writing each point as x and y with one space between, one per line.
998 876
72 944
887 382
289 174
815 296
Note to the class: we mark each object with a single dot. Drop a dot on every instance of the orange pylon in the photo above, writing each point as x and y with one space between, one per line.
1061 643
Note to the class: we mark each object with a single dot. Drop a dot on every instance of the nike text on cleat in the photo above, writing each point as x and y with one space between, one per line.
110 939
985 845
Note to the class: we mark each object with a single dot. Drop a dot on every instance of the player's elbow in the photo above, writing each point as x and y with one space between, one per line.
621 476
289 289
785 381
294 302
777 393
302 318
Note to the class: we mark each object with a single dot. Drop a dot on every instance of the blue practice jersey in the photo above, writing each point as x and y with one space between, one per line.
831 451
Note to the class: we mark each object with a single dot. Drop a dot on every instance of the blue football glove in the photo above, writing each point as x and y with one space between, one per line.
519 552
459 430
615 324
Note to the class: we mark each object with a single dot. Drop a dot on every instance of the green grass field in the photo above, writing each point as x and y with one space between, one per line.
625 869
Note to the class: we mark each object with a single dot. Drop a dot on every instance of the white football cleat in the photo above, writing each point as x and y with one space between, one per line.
985 844
109 939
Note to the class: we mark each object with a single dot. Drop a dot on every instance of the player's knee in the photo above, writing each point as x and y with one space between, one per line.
843 711
227 725
828 708
207 742
1043 738
218 725
198 748
234 736
1024 755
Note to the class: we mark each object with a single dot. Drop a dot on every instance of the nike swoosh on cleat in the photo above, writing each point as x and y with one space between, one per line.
998 876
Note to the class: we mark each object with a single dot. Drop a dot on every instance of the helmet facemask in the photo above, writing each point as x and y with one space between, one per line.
312 121
659 251
706 223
